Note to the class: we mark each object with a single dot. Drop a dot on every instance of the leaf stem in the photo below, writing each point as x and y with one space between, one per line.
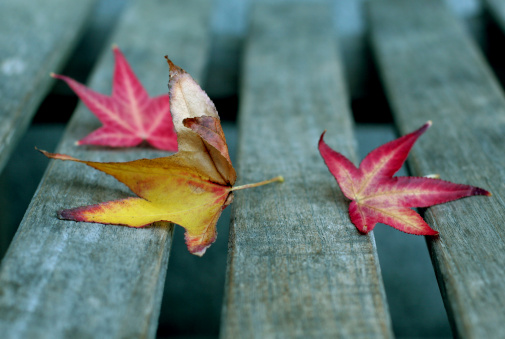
279 178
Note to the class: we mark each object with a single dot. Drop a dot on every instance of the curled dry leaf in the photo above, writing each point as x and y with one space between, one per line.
189 188
129 116
378 197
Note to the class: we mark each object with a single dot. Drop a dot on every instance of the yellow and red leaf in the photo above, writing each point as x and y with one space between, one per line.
189 188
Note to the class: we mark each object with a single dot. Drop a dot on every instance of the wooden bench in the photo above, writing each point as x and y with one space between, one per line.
71 266
431 70
297 267
26 61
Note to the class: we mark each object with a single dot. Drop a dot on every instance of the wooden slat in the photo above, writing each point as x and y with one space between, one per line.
61 279
497 10
432 70
35 40
297 267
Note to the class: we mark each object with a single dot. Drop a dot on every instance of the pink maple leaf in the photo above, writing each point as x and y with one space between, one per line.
378 197
129 116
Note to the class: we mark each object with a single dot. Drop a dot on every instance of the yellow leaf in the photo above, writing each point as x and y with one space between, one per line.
189 188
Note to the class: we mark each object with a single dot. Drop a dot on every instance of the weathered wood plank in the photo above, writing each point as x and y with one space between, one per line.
497 10
431 70
297 267
61 279
35 40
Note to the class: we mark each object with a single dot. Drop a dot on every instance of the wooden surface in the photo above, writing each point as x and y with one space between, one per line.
431 70
61 279
497 10
35 40
297 267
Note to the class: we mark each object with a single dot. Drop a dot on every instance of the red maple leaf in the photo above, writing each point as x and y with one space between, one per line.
129 116
378 197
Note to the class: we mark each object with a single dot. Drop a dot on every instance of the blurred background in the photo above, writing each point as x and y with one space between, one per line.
194 287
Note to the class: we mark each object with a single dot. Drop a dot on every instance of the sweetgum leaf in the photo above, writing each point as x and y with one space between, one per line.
129 116
189 188
378 197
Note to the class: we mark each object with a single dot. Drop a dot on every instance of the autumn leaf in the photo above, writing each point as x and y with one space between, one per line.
129 116
378 197
189 188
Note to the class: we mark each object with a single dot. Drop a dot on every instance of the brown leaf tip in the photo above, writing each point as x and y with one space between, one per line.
75 214
63 215
174 69
425 126
69 214
46 153
480 191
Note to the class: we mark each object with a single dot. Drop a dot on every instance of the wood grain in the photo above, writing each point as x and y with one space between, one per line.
61 279
35 40
297 267
432 70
